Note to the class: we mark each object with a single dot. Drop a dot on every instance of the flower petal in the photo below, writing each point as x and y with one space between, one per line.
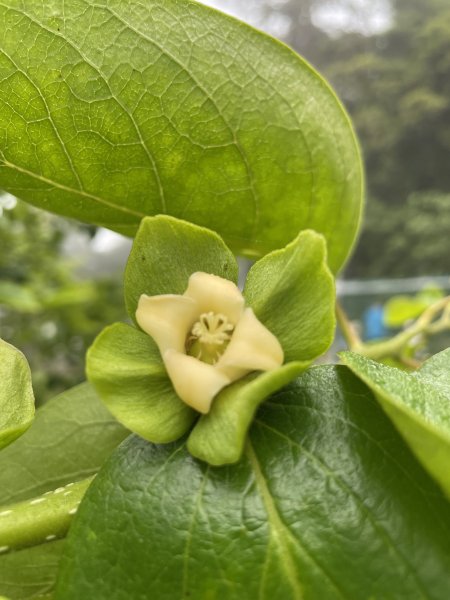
215 294
167 319
195 382
252 348
218 438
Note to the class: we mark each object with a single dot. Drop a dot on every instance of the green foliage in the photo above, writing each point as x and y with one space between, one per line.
399 310
46 308
207 134
16 394
411 239
339 489
326 500
418 405
220 436
124 365
166 252
70 438
294 285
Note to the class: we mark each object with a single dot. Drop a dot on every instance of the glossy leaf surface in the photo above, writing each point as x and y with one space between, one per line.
70 438
116 110
418 404
16 394
328 502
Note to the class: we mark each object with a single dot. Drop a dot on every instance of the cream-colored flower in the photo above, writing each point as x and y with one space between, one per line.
207 337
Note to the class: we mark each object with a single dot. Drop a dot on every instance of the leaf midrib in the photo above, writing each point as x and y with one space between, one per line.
281 534
363 507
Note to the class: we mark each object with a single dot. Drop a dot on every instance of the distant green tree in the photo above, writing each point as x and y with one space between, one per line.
46 309
413 236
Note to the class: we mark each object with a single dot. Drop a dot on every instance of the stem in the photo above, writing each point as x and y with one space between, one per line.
423 325
347 328
42 519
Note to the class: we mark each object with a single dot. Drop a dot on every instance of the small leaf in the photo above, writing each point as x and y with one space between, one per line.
219 437
292 293
418 404
126 369
328 502
16 394
69 440
166 252
116 110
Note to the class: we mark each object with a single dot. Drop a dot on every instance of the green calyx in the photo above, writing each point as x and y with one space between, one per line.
16 394
291 292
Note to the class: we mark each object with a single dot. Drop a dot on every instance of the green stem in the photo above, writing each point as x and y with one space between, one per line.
348 330
42 519
425 324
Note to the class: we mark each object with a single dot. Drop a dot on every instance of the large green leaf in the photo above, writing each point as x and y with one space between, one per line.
328 502
418 404
70 438
16 394
114 110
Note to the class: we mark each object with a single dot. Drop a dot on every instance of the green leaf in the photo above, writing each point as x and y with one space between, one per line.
292 292
166 252
126 369
436 372
28 574
16 394
219 436
418 404
69 440
328 502
117 110
400 309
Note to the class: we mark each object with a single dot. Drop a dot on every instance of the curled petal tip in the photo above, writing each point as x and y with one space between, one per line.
195 382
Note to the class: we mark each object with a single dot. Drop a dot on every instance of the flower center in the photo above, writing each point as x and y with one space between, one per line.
209 337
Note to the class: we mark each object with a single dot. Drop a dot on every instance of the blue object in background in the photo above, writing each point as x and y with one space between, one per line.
373 321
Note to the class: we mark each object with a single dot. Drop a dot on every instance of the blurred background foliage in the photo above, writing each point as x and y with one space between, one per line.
48 308
389 61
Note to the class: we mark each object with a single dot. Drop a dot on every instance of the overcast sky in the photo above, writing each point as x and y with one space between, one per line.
333 16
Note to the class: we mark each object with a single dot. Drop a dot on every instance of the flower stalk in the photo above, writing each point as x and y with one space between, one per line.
435 319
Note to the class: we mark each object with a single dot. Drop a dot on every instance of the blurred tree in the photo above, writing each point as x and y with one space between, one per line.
414 235
46 309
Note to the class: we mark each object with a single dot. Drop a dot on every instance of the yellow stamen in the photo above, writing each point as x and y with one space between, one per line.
209 337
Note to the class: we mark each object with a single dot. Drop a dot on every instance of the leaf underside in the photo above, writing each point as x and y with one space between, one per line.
418 404
115 110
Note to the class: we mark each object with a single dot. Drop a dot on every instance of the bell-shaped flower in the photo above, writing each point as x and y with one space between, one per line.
207 338
204 355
